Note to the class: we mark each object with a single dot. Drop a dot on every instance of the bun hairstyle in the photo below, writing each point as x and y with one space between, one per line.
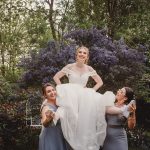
83 47
45 86
129 94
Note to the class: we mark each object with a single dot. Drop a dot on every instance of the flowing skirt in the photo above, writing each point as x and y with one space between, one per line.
82 115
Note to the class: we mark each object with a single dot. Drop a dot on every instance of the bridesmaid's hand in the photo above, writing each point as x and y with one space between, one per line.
49 114
132 108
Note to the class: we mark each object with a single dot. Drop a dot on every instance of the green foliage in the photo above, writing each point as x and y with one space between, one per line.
138 139
143 87
37 28
10 92
136 30
14 134
23 27
5 88
12 76
129 18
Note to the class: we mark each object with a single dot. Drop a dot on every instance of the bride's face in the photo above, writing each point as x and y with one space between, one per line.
82 55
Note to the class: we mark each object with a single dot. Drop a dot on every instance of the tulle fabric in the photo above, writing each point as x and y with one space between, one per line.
82 115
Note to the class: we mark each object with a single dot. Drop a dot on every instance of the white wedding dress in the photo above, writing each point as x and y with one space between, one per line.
82 111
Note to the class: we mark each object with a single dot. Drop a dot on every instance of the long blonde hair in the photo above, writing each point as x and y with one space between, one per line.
83 47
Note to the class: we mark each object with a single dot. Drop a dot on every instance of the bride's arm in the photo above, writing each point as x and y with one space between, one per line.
98 81
64 71
58 76
96 78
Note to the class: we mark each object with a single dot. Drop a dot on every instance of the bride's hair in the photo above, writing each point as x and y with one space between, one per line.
83 47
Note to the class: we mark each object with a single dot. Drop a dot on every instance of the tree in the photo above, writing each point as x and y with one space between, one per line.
118 64
22 28
11 33
127 18
57 15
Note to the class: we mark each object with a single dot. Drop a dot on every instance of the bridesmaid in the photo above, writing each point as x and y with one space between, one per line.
51 137
116 137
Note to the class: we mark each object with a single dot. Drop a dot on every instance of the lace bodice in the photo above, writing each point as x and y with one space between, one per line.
76 77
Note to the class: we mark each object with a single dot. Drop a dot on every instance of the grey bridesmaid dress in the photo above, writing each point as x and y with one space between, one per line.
51 137
116 137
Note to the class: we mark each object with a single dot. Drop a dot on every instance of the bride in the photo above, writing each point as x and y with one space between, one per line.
81 109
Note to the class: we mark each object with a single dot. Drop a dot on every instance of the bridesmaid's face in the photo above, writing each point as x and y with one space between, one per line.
82 55
50 93
121 95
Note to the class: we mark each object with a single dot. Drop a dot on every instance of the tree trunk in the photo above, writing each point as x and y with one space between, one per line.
112 12
3 62
51 22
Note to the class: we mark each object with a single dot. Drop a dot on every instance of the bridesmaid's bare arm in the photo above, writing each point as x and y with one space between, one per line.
113 110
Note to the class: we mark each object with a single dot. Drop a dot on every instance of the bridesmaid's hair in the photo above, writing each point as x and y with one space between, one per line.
45 86
129 94
83 47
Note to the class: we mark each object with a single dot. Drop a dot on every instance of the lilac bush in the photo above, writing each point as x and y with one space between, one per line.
117 63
